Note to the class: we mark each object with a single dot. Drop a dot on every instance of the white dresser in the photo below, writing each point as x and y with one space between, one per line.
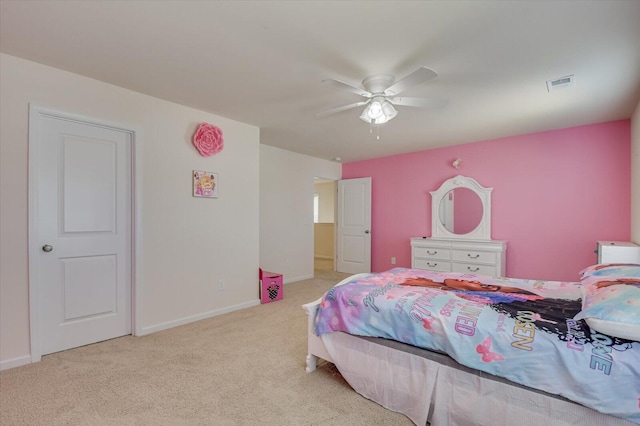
618 252
466 256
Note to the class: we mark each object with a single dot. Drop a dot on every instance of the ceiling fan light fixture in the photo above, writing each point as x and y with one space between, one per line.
374 110
379 111
388 110
368 115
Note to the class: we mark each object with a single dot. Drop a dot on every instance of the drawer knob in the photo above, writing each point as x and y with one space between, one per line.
431 253
432 264
473 257
474 269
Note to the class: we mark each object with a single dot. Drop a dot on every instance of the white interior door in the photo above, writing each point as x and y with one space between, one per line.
81 226
354 225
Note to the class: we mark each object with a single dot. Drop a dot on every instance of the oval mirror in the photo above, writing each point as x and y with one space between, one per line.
461 208
460 211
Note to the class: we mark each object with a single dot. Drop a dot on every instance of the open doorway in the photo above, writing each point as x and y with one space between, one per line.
324 213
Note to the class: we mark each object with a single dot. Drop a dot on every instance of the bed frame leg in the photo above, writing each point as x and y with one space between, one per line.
312 362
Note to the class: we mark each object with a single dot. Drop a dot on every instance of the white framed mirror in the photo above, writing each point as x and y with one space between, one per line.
461 209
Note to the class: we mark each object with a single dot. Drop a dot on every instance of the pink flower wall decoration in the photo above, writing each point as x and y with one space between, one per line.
208 139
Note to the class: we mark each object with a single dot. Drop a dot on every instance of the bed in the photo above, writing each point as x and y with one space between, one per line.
459 349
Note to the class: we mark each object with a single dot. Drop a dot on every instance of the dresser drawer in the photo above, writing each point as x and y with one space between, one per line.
472 268
482 257
432 253
474 256
432 265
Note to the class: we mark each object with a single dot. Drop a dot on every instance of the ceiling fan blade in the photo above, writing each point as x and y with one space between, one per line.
420 75
419 102
344 86
342 108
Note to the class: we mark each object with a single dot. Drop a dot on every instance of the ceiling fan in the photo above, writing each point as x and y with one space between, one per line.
381 91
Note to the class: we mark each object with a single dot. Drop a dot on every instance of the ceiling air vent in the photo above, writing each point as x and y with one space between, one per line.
561 83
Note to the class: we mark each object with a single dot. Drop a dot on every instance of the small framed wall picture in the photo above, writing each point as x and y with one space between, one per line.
205 184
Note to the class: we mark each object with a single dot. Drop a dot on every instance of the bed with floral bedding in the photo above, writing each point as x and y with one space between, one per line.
458 348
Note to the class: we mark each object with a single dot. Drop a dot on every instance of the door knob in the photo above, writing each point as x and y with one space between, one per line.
366 232
47 248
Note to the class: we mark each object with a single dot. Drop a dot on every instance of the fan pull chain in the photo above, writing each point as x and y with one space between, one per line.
377 130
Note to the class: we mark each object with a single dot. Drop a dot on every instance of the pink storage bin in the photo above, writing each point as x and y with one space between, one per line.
271 286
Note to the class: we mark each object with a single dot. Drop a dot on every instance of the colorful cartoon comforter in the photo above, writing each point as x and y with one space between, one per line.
522 330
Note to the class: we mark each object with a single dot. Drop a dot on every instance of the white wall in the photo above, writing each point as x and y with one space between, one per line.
635 175
326 209
188 243
286 210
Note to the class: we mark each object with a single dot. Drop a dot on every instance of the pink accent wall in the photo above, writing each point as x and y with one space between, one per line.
554 195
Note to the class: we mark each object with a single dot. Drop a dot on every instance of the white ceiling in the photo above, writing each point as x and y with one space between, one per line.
262 62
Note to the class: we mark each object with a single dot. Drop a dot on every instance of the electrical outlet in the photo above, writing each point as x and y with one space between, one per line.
220 285
393 260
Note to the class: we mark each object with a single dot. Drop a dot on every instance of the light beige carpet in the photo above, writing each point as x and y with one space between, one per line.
242 368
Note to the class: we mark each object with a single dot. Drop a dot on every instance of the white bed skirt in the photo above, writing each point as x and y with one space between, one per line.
426 390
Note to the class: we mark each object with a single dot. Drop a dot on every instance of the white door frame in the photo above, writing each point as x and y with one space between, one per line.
35 113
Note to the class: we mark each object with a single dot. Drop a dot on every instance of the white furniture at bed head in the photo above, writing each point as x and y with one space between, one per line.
618 252
461 232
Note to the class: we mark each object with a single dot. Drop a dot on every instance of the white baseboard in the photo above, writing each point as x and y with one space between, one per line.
194 318
26 359
15 362
300 278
